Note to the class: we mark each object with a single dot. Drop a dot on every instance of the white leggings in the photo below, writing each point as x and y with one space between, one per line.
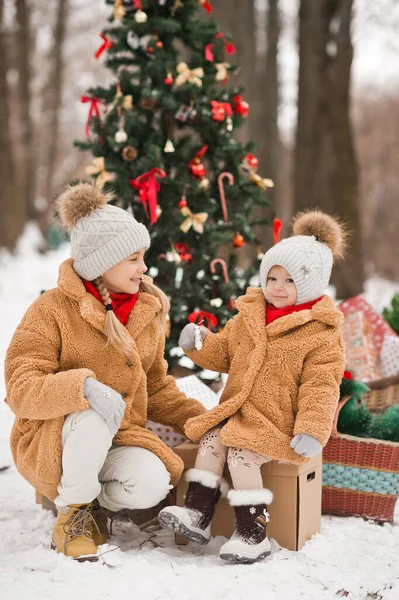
119 477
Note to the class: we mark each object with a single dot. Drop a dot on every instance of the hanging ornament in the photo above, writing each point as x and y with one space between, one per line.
158 211
229 124
168 79
120 136
238 241
217 302
140 16
248 167
196 167
221 110
106 45
228 47
133 40
202 316
252 161
206 5
129 154
148 187
169 147
119 11
204 183
176 5
240 106
175 253
196 221
183 250
230 178
261 182
98 168
186 75
220 261
222 73
120 101
183 199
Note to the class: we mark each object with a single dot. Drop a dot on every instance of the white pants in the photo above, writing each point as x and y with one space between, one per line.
120 477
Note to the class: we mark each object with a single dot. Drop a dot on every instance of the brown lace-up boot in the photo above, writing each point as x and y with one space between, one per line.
73 533
101 520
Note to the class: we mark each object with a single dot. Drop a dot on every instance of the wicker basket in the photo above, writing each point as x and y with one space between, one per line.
360 475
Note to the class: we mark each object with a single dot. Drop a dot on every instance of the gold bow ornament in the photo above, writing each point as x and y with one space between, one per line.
98 168
125 102
196 221
186 75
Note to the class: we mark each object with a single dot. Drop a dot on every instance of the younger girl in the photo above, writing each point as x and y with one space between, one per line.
285 358
85 370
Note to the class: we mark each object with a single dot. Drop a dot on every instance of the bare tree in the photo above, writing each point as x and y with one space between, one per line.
325 163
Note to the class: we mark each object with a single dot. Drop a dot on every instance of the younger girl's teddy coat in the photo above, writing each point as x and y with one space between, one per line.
283 378
61 341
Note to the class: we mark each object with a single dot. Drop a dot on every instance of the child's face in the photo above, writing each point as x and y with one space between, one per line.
280 287
125 276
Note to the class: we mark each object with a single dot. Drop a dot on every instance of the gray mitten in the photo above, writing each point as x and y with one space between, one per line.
306 445
187 338
108 403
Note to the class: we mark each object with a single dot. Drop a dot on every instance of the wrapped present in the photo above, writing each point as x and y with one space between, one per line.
378 326
389 357
193 388
360 353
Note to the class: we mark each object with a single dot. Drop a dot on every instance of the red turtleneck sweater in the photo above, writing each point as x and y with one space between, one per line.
122 304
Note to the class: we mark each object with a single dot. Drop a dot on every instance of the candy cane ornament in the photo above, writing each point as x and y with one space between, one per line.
230 178
224 268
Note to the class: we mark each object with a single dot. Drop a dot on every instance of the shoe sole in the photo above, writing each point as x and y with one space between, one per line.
88 558
237 559
170 521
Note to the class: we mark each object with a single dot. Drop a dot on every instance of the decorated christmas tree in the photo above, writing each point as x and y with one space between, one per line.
162 137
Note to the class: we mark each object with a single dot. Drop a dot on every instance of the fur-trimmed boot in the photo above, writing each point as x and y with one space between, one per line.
249 542
193 520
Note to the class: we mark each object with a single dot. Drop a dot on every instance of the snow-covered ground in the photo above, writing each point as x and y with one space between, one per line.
349 558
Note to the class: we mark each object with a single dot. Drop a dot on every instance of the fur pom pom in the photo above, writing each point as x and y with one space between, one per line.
79 201
325 228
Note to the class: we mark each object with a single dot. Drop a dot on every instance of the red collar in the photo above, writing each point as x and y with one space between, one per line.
122 304
273 313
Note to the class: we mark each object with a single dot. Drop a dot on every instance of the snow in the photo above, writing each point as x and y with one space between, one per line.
349 558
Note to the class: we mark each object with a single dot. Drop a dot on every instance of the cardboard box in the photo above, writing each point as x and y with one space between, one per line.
295 513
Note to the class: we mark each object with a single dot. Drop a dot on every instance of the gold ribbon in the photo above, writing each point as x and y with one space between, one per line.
221 71
192 76
262 183
125 102
98 168
119 11
196 220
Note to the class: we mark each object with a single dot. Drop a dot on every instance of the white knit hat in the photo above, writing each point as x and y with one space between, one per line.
101 235
308 256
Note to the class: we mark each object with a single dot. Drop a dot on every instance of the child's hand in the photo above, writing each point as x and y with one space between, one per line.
306 445
187 339
108 403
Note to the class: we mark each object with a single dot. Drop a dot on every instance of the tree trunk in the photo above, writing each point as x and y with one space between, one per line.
325 163
10 225
53 101
27 152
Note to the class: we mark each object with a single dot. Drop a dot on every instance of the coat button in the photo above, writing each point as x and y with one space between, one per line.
124 395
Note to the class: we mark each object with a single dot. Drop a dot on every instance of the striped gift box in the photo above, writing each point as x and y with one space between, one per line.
360 476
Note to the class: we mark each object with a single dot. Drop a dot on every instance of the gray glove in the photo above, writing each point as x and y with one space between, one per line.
106 402
186 339
306 445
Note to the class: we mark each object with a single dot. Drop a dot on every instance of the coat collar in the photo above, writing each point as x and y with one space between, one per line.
70 284
253 306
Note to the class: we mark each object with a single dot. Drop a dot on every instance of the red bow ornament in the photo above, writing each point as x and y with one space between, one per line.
105 46
93 111
201 315
221 110
148 187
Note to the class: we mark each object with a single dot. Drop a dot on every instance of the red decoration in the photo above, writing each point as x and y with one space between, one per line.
106 45
347 375
221 110
224 268
168 80
252 161
229 47
93 111
240 106
196 167
206 5
159 44
201 315
277 225
238 241
137 5
148 187
230 178
182 203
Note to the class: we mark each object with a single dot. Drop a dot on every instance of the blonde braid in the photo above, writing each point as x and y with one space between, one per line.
115 332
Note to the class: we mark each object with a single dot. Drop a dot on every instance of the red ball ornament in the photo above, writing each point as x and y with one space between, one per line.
218 114
240 106
198 170
150 49
252 161
186 257
182 203
238 241
159 44
168 80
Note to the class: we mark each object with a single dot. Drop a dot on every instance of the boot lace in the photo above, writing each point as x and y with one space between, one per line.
79 524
